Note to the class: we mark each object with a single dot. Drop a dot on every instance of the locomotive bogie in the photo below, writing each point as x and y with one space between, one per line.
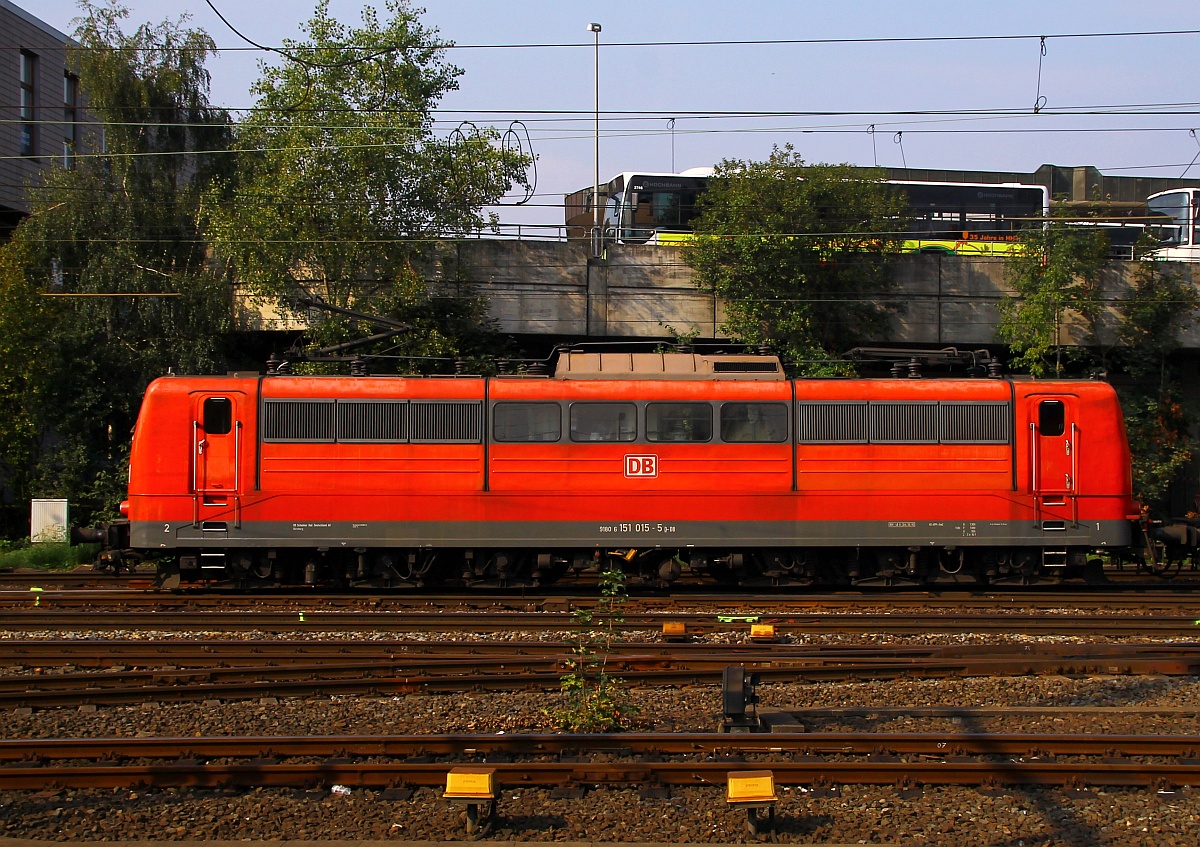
657 567
695 472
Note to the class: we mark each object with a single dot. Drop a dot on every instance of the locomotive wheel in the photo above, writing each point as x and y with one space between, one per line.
1025 564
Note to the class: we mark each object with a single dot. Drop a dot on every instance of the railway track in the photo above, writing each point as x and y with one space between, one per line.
95 672
566 762
66 593
206 653
223 671
78 579
40 618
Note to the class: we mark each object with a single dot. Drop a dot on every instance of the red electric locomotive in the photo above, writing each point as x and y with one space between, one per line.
675 465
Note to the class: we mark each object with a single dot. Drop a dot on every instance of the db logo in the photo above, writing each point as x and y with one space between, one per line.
641 466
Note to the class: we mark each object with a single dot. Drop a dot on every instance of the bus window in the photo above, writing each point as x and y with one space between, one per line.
937 223
1195 217
1174 208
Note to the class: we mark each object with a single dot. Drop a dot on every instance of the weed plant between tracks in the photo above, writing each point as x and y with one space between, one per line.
594 701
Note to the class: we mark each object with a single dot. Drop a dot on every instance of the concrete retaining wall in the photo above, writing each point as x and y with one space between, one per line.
554 288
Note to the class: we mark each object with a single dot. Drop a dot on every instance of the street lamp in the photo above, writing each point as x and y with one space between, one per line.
597 220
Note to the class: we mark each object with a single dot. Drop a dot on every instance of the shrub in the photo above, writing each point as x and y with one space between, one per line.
45 557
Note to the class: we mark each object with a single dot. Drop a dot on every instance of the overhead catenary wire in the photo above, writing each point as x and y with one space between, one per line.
561 116
1039 101
56 156
1190 107
749 42
1192 132
552 126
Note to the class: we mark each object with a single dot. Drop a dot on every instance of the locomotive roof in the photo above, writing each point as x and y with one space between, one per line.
581 365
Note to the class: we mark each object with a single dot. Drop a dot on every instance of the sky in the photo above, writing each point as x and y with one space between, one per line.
966 86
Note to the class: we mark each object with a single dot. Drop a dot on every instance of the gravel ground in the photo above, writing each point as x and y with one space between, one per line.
866 815
947 816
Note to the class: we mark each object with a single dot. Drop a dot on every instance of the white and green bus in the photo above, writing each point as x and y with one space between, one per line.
950 218
1175 225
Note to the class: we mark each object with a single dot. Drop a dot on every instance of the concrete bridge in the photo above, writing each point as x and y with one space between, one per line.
552 288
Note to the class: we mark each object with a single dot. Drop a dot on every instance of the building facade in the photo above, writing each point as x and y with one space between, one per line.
42 119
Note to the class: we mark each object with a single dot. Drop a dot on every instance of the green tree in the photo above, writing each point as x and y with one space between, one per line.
446 322
1163 301
27 327
342 185
798 253
1056 278
110 267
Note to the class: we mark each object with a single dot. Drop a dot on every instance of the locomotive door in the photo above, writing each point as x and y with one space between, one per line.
1054 459
216 455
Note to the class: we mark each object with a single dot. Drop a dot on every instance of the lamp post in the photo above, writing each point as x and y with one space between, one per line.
597 218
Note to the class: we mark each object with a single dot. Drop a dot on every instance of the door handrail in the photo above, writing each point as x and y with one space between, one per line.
1074 487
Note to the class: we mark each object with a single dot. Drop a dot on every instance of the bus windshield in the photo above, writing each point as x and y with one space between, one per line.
654 204
1174 207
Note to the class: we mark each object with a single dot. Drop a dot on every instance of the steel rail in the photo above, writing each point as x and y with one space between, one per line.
976 712
53 593
1028 745
38 619
567 774
645 666
384 679
74 652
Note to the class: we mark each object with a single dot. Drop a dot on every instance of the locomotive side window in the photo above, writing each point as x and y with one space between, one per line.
679 422
603 422
519 422
1052 418
754 422
218 415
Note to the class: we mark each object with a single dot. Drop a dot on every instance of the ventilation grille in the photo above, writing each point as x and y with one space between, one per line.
904 423
931 422
371 421
832 423
366 421
447 421
975 423
298 420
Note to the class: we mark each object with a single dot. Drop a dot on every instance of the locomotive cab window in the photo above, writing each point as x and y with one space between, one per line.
1052 418
218 415
603 422
754 422
679 422
521 422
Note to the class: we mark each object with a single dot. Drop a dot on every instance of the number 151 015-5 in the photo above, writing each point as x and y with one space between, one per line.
662 528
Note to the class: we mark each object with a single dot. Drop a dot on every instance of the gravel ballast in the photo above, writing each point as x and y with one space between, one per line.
950 816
